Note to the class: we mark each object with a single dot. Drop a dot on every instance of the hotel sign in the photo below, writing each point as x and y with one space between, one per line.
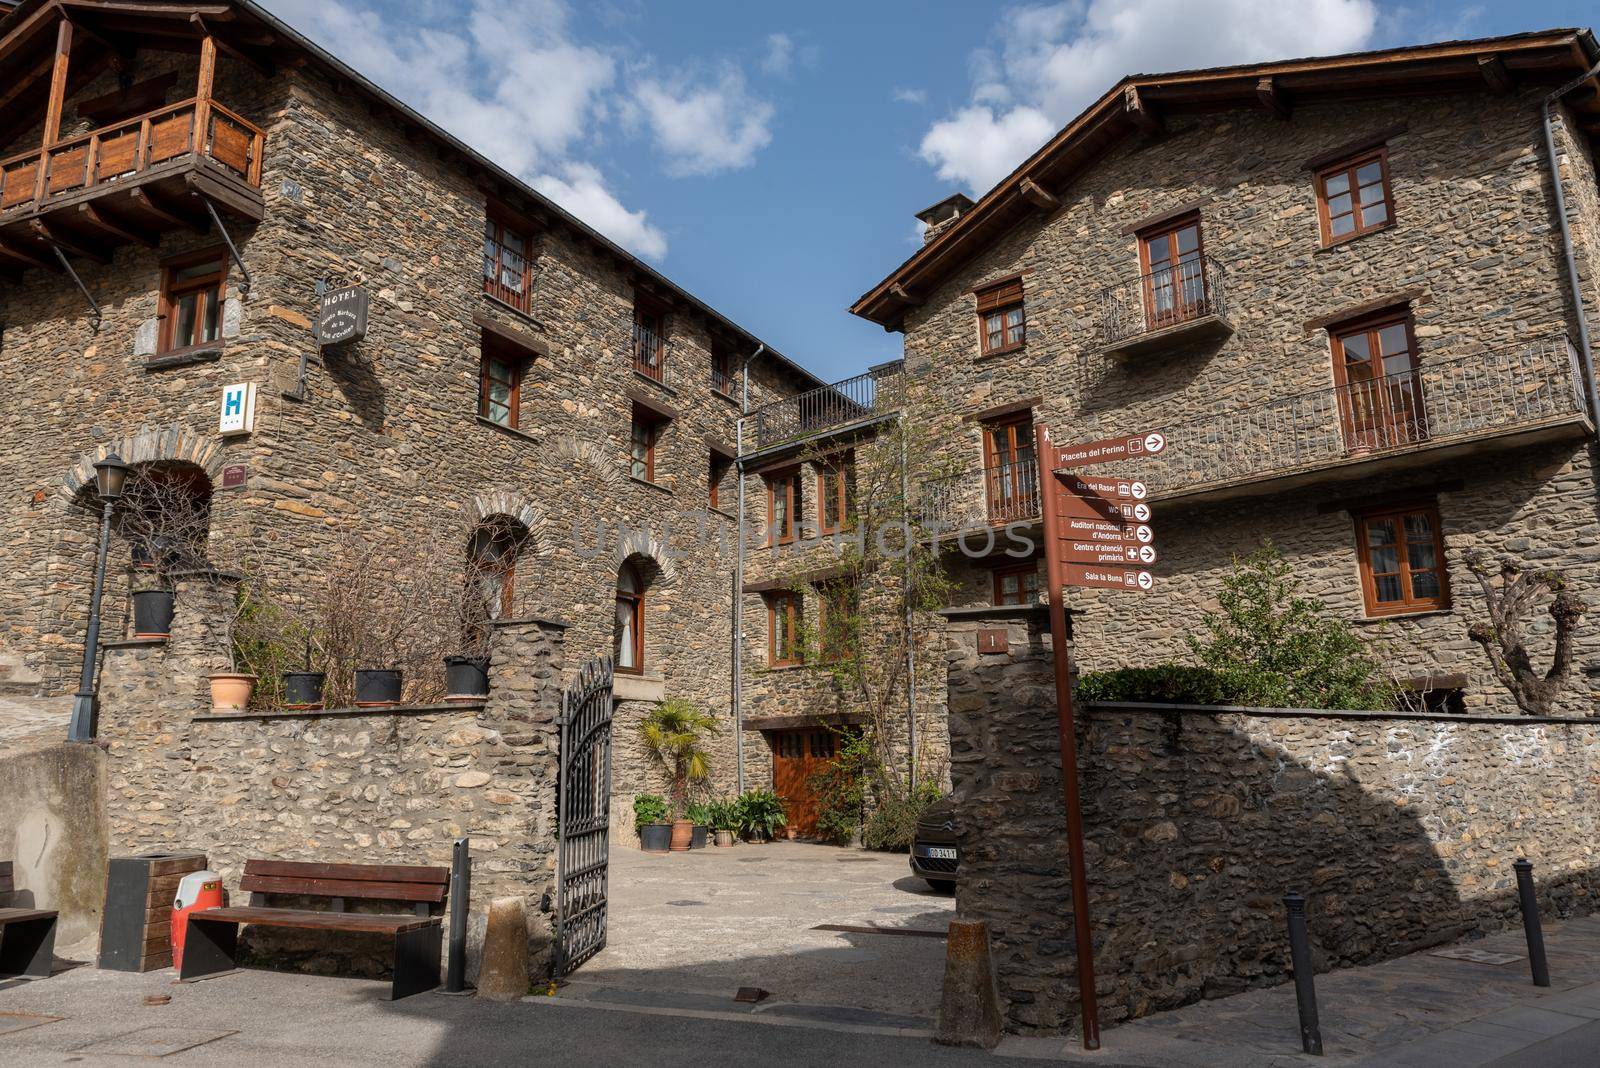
342 316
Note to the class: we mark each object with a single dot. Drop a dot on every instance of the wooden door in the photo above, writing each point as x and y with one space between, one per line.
796 757
1013 477
1174 283
1378 385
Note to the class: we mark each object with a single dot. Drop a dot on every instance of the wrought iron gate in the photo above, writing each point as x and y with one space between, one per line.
583 816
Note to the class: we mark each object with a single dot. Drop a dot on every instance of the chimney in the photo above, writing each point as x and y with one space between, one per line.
938 218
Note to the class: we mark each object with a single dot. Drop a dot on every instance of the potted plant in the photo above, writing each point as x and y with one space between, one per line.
760 814
725 821
152 612
466 678
650 823
302 690
700 814
672 733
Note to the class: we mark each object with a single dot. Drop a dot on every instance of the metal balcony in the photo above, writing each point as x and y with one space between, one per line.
983 496
1498 399
1179 305
863 399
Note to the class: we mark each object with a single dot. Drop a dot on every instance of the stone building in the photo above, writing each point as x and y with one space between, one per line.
561 416
1339 287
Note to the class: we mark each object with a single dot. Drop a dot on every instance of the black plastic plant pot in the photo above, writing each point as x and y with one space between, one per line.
152 614
466 678
377 687
698 839
656 837
303 689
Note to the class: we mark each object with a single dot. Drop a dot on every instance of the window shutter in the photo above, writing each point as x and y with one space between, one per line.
998 296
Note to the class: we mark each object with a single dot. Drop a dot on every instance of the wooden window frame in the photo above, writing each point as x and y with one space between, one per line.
1025 499
1345 391
518 365
722 372
719 465
1409 604
653 424
1349 166
502 567
644 310
838 470
1183 309
495 251
635 602
792 610
172 291
1024 571
790 480
1001 298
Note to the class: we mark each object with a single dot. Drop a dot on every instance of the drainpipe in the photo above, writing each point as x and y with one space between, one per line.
1585 354
738 571
911 642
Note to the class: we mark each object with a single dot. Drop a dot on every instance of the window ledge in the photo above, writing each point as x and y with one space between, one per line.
1421 613
659 487
513 431
729 397
723 514
1341 242
778 669
627 686
654 382
507 306
189 357
997 353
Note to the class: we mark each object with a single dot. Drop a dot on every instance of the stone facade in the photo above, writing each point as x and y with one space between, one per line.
1400 831
1473 251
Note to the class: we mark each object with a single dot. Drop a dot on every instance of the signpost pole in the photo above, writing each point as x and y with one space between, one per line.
1055 576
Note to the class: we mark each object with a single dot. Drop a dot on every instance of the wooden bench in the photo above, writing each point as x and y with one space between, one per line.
212 942
27 936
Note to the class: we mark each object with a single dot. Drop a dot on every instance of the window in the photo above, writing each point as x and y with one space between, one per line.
1010 472
1174 287
1379 386
1000 317
783 507
500 386
834 478
722 369
837 608
192 291
647 427
783 628
492 558
719 467
628 632
507 264
822 745
1402 560
649 338
1353 197
1017 585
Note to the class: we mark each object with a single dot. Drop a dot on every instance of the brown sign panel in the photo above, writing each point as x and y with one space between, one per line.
1097 552
1090 498
342 316
234 476
1111 489
1105 450
1114 531
1108 578
994 640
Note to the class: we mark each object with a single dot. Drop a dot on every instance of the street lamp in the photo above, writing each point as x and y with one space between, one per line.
109 476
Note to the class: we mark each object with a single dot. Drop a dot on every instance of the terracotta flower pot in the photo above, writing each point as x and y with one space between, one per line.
230 692
682 835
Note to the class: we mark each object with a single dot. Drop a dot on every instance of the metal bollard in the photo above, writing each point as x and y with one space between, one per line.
460 892
1304 991
1530 922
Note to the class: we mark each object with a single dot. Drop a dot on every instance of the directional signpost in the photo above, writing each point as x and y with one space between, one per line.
1097 534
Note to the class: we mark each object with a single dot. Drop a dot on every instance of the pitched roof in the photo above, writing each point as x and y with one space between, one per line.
199 16
1137 104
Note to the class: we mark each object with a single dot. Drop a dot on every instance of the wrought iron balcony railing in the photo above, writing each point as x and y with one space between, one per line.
722 380
1187 294
649 351
1002 493
826 408
1498 392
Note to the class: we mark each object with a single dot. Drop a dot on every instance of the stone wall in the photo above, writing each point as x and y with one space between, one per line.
53 829
358 786
1401 832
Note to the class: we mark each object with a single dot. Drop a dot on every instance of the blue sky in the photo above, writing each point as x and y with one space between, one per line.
770 157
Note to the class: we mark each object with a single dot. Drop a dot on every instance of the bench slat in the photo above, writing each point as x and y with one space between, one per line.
6 883
23 915
377 873
319 921
311 887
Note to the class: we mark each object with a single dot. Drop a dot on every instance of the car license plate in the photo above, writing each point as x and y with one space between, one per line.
941 853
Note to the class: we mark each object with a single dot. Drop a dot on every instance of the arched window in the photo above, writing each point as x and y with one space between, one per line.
165 514
492 558
628 634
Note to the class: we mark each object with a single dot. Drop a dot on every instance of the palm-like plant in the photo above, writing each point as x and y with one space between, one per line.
672 733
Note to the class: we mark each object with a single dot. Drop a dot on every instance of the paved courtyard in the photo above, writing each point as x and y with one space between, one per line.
690 929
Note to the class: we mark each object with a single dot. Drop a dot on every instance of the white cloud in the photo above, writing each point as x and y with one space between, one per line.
779 60
909 96
707 127
1056 58
581 190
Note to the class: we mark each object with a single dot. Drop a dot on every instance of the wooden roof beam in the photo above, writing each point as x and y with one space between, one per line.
1273 98
45 232
1494 71
1137 110
167 213
20 255
219 12
238 51
1038 195
115 227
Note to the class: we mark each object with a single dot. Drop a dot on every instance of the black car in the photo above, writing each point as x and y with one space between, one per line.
934 853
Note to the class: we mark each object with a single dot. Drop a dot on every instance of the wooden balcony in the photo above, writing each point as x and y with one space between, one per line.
129 181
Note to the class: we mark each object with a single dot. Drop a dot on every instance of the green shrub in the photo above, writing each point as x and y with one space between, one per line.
893 824
698 812
760 814
648 809
1177 684
723 814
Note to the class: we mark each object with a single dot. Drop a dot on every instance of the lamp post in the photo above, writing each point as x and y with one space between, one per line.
109 475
